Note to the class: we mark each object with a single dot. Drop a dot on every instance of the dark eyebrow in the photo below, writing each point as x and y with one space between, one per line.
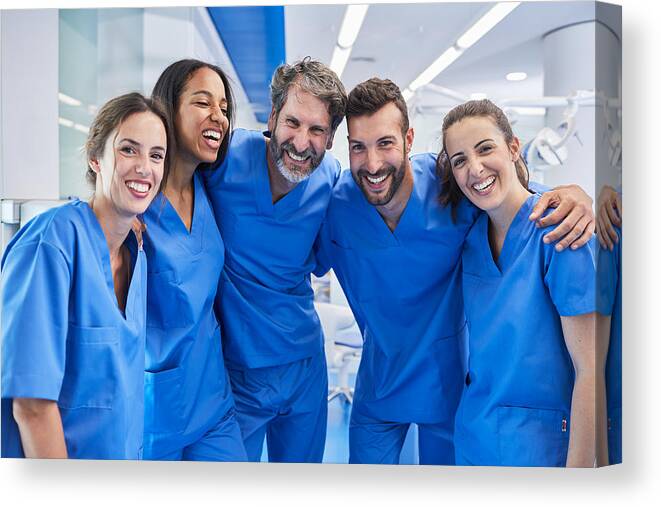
130 141
136 143
384 138
478 144
209 95
483 141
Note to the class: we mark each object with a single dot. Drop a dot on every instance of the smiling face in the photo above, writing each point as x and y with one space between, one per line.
130 170
482 162
300 134
201 120
378 153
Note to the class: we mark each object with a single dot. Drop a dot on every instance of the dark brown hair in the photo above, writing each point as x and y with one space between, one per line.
315 78
169 87
450 192
111 115
371 95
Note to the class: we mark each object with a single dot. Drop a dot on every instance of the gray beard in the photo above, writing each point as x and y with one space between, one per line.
291 177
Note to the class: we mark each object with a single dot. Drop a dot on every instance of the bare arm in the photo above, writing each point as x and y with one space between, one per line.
603 341
40 426
573 212
609 216
579 333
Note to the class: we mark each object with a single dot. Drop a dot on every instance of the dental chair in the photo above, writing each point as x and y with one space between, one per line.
343 345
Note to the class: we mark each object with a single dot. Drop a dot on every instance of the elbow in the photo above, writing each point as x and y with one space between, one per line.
28 410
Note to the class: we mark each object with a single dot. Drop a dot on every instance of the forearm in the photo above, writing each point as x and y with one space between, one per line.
582 437
40 426
601 425
603 342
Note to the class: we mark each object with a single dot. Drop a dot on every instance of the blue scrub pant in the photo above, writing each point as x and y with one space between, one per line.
223 442
372 441
287 404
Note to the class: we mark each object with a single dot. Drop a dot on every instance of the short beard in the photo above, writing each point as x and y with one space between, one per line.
398 177
292 176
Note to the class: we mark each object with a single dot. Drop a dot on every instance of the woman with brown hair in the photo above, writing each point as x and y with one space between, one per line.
535 371
74 301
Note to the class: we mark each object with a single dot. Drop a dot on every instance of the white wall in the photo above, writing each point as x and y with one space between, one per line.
29 105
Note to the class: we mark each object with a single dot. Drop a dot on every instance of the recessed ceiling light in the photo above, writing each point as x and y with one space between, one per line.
516 76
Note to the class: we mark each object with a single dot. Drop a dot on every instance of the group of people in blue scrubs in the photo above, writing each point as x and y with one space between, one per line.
227 348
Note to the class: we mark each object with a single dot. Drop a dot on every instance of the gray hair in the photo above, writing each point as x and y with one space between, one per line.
315 78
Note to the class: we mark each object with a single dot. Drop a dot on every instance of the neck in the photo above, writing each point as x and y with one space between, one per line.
115 227
392 211
180 178
280 186
500 218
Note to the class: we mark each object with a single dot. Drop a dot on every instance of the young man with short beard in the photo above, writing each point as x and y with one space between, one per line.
396 253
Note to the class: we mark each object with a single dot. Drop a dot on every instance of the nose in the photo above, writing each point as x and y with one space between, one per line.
373 162
142 164
301 141
475 166
217 115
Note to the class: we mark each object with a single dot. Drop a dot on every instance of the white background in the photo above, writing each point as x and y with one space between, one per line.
637 482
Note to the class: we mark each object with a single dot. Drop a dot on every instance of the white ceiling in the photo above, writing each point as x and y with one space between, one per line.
398 41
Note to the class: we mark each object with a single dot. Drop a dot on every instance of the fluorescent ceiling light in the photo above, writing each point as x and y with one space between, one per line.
516 76
353 20
470 37
443 61
81 128
340 59
351 24
494 16
65 122
478 96
407 94
68 100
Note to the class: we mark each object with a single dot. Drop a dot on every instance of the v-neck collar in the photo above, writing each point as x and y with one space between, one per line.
176 220
516 234
262 185
103 255
163 211
406 220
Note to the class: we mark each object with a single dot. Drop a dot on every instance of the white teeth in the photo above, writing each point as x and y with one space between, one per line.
138 187
212 134
486 183
296 157
376 181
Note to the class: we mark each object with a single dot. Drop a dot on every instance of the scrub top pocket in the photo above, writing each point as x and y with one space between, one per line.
177 313
164 408
532 437
92 368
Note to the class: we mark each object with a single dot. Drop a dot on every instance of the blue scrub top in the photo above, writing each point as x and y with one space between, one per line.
186 387
64 337
609 297
515 409
404 288
266 301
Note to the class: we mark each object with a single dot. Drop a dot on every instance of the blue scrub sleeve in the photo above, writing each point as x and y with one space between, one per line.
571 279
321 251
35 300
608 276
